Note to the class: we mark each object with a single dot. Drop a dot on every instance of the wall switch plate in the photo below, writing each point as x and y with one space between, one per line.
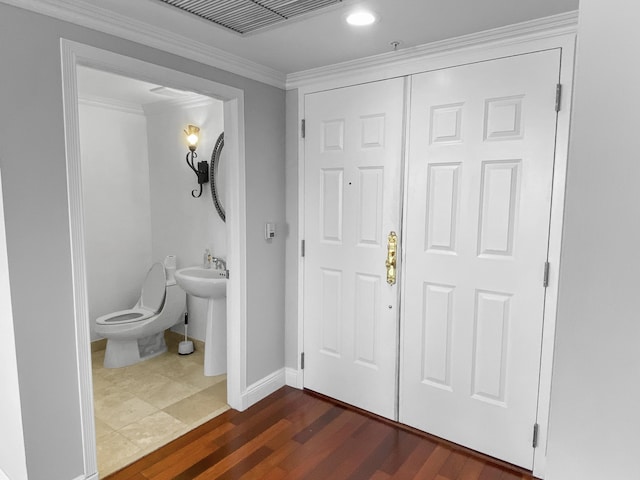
269 231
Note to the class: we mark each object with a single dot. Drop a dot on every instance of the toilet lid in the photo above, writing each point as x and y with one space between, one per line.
153 289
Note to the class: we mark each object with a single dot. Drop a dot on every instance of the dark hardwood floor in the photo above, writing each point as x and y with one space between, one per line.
295 434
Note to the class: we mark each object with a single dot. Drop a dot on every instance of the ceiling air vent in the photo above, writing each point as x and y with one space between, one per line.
243 16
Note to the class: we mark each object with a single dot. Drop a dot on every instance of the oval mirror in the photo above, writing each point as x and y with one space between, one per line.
216 174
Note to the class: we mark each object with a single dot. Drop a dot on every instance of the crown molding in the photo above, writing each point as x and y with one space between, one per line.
164 106
411 60
154 108
110 103
85 14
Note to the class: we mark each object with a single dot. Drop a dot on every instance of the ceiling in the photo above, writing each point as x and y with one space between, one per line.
323 38
97 84
111 88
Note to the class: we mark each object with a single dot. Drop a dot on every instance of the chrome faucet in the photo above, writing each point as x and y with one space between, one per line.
219 263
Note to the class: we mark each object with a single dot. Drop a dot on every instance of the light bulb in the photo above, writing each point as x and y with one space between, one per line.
192 136
361 18
192 139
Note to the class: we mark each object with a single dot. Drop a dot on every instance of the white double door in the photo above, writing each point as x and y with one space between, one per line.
462 358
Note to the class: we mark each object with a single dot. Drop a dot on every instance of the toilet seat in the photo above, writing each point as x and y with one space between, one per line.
125 316
150 303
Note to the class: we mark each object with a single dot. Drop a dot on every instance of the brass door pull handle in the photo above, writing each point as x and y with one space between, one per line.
390 263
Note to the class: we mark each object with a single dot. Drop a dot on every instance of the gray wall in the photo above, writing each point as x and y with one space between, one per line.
32 159
265 258
595 401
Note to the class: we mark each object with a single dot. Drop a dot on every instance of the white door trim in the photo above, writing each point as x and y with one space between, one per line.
73 54
486 51
567 60
13 462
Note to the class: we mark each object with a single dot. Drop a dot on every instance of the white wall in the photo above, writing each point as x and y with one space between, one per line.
180 224
117 214
137 198
595 401
12 457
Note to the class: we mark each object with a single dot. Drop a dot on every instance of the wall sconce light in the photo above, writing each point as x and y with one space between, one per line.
202 171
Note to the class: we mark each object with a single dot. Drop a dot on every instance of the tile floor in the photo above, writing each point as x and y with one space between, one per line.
142 407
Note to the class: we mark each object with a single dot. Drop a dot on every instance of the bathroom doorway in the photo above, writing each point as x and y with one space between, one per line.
81 60
132 141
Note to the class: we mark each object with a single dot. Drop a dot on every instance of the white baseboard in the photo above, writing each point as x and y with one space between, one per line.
263 388
293 378
93 476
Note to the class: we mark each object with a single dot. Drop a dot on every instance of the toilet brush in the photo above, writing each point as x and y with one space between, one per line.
185 347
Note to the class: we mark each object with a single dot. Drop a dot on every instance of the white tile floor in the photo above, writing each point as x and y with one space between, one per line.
142 407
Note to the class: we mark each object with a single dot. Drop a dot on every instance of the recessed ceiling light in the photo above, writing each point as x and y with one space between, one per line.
361 18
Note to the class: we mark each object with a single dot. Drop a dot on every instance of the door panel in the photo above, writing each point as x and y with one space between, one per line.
481 152
353 152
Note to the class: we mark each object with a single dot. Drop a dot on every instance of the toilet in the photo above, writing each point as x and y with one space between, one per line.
138 333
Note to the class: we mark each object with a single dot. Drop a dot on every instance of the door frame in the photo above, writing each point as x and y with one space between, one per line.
73 54
13 460
528 37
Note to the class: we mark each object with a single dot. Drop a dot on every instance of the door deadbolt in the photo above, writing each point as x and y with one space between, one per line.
390 263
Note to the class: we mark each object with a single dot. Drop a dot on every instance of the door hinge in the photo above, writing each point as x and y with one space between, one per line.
303 127
558 96
302 361
545 279
302 248
534 442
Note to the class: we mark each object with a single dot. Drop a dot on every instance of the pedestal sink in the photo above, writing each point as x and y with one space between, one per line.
211 284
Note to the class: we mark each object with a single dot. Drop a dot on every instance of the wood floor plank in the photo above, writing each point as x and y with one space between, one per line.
173 463
274 474
380 476
405 443
271 462
490 472
507 475
318 424
422 454
361 443
434 463
230 454
293 434
245 465
370 466
248 449
471 469
351 449
282 444
300 463
452 467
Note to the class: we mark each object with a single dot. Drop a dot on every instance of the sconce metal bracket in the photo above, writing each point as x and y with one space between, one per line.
202 171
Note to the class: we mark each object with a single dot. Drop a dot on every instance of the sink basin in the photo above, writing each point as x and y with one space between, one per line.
203 282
